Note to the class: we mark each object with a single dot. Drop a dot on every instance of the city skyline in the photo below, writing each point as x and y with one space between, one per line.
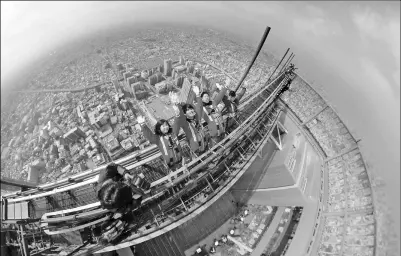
350 50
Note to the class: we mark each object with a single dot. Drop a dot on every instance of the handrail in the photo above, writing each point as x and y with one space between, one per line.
205 177
89 173
44 219
238 133
164 179
84 175
77 185
151 233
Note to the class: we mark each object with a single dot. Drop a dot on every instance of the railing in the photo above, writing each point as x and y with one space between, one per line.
219 178
169 222
225 168
143 154
166 222
185 172
166 180
148 154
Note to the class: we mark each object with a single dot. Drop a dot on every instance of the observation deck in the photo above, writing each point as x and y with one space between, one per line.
215 178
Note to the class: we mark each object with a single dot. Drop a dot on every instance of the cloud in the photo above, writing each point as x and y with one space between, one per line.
318 27
380 90
315 22
315 11
382 28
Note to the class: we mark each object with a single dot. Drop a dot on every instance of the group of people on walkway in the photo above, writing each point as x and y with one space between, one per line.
203 124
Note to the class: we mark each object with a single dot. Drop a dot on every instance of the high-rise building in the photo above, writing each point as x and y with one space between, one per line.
74 134
180 69
181 60
160 68
190 69
33 175
116 84
139 90
179 81
187 95
204 83
150 120
152 80
131 80
126 75
167 67
159 77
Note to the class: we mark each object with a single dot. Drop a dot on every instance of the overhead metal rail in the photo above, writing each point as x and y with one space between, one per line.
184 172
90 177
239 134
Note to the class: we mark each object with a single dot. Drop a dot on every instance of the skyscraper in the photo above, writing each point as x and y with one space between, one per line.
160 68
131 80
167 67
181 60
187 95
150 120
116 84
204 83
179 81
190 69
126 75
159 77
74 134
152 80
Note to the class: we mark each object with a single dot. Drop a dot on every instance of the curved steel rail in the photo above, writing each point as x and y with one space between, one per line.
151 150
153 232
88 177
194 165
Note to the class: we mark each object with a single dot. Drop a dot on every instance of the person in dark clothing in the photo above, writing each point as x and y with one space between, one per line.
230 109
114 189
231 102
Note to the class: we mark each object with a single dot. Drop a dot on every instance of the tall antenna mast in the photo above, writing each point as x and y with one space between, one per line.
285 63
262 41
278 64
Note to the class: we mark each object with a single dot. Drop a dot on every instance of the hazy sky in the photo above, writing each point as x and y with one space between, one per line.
350 49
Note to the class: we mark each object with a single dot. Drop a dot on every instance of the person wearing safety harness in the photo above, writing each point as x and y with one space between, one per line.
231 103
165 139
210 112
115 189
188 118
120 193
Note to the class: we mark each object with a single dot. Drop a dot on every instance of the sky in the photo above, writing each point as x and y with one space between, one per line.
349 50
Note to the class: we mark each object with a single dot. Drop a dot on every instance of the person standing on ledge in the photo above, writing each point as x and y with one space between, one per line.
189 119
165 139
210 112
231 104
